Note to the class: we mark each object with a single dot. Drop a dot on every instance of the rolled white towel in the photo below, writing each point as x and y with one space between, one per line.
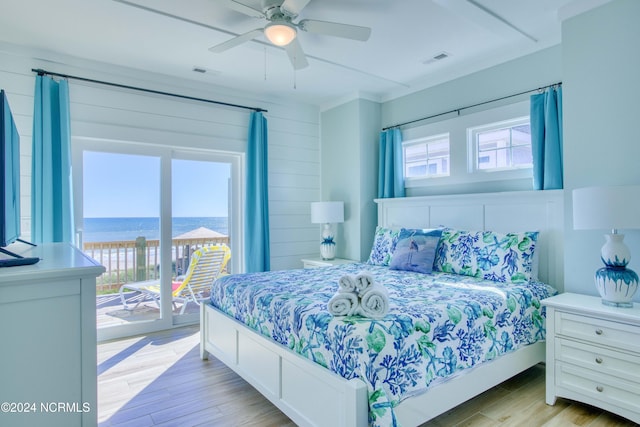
364 281
374 303
343 304
347 283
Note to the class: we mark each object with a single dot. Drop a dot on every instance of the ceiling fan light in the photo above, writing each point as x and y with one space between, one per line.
280 34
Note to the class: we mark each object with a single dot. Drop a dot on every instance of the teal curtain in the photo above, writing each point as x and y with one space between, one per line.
256 242
546 139
51 186
390 174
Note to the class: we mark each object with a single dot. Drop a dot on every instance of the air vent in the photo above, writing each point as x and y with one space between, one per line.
435 58
203 70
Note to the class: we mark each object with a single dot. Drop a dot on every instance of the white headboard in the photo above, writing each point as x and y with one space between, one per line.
502 212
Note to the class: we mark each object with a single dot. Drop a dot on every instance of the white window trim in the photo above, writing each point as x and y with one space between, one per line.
426 140
506 172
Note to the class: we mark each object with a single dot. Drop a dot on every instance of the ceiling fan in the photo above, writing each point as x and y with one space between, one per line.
282 31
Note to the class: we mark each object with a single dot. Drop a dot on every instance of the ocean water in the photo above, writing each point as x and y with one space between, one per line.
119 229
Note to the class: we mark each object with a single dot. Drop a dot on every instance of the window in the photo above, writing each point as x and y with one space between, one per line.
501 146
481 151
426 157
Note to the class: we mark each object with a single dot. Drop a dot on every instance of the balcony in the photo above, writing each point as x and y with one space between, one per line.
139 260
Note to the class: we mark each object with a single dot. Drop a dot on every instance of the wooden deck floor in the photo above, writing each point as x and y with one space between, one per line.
110 311
159 380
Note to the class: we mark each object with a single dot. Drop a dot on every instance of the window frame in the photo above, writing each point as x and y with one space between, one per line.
426 140
473 151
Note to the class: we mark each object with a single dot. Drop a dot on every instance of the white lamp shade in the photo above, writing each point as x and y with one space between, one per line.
280 33
327 212
606 208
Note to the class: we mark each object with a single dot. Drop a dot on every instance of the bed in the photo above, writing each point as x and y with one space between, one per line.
417 361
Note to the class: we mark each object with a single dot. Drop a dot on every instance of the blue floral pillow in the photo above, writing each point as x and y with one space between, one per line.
384 243
455 252
415 250
494 256
508 257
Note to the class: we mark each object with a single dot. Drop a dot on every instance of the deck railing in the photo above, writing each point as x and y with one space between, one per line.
138 260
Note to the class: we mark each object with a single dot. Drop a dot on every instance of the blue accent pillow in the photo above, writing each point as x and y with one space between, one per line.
384 243
415 250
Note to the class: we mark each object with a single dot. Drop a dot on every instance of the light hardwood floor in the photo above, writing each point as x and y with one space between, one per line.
159 380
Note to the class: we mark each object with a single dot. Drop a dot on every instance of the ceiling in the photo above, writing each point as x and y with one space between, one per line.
172 38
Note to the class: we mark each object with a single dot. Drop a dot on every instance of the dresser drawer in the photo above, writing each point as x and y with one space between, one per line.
601 387
599 359
598 331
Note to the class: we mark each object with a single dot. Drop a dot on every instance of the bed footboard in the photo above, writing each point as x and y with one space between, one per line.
307 393
418 409
314 396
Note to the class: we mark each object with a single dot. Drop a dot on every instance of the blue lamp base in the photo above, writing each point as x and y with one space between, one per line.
617 286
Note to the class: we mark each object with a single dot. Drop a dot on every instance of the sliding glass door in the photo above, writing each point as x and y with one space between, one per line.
121 230
142 212
200 217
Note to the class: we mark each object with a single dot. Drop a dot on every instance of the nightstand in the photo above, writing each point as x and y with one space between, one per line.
593 354
319 262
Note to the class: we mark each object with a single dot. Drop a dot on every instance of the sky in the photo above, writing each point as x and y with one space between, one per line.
124 185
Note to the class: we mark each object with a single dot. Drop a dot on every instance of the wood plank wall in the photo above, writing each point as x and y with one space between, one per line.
108 112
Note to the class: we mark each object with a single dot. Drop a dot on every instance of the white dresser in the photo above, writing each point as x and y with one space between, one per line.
593 354
48 339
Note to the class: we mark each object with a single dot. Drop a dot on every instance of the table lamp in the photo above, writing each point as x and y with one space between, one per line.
327 213
613 208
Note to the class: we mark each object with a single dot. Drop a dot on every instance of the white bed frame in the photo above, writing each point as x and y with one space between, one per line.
314 396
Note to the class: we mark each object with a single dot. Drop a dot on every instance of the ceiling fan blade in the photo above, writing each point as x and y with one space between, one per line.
293 7
335 29
242 8
236 41
296 54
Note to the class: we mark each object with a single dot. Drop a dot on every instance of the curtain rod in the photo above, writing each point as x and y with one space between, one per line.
457 110
42 72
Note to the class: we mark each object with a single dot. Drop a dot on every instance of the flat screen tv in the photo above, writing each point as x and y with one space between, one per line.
10 166
10 188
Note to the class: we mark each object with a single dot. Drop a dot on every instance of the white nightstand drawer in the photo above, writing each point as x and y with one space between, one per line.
598 331
599 359
609 390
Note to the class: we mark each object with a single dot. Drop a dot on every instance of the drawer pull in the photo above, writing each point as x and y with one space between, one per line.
599 388
598 360
598 331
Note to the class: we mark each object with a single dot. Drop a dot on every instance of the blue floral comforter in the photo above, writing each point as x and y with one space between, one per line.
438 325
